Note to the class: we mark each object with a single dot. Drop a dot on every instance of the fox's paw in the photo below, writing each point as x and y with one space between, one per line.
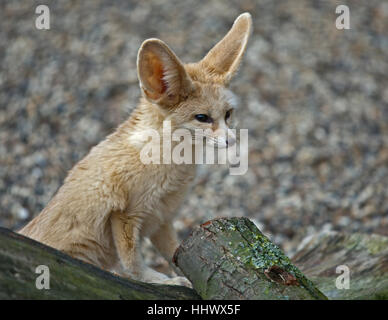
178 281
152 276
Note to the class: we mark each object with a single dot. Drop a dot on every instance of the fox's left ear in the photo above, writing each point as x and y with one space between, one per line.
225 57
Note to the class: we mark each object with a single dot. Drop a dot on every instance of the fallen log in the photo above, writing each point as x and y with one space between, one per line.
232 259
327 258
224 259
69 278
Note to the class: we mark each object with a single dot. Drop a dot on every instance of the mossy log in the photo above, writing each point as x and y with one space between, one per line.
232 259
365 257
69 278
224 258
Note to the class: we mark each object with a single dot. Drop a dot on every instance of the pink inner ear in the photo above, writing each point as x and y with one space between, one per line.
164 85
156 77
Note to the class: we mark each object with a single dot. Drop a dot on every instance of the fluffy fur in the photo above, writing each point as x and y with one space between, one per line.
110 199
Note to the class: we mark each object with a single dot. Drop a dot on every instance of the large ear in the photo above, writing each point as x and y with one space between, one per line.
224 58
162 76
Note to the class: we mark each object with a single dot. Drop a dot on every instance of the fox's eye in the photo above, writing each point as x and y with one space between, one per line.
203 118
227 114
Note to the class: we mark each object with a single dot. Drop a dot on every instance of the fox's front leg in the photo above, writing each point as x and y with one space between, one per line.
126 237
164 238
165 241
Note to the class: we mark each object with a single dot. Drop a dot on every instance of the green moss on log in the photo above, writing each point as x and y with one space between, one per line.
232 259
69 278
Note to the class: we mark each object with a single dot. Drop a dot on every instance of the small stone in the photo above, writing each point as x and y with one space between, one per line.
23 214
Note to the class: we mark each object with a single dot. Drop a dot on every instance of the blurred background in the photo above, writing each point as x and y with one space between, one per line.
314 98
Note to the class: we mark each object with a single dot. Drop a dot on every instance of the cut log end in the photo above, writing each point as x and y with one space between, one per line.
232 259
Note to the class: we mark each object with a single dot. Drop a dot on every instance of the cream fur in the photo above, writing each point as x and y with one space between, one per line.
110 199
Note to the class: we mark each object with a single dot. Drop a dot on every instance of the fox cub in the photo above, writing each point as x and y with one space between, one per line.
110 200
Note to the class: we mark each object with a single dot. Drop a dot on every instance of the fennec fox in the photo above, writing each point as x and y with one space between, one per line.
110 200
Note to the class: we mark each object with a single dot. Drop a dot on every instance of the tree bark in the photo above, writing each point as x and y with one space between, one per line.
364 256
224 259
232 259
69 278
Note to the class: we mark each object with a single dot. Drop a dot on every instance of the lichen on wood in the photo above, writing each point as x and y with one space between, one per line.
232 259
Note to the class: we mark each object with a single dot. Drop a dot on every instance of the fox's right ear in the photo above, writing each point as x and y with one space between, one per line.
163 78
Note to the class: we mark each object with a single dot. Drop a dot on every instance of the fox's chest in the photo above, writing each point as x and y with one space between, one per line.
161 197
170 181
163 185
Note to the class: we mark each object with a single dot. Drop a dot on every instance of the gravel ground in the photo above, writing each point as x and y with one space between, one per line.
314 98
